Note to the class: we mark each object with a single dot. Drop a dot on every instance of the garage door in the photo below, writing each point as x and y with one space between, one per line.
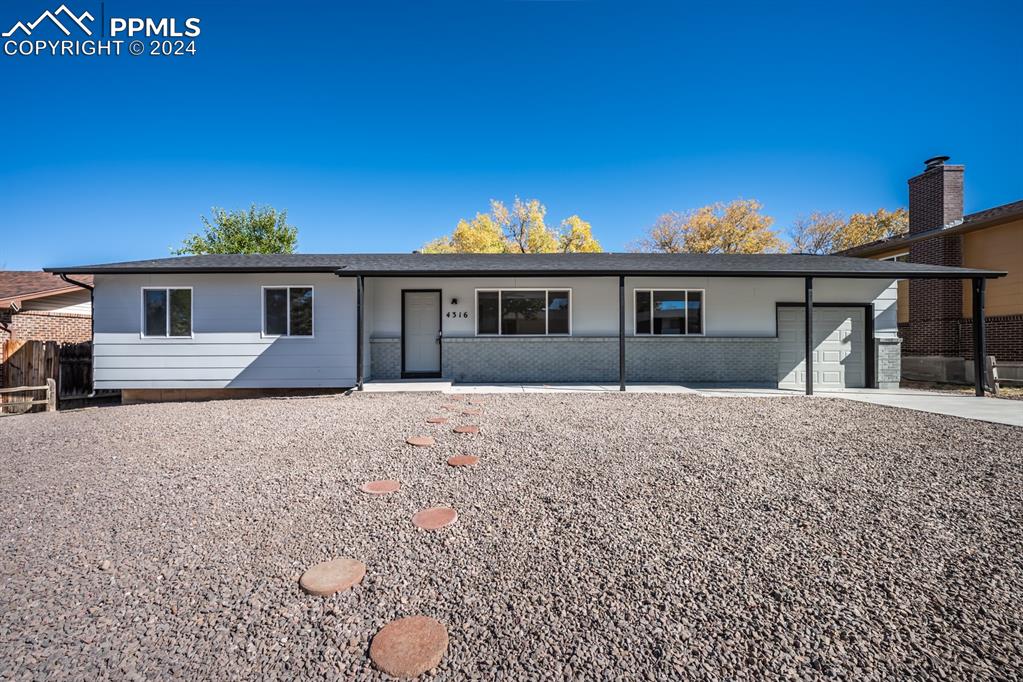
839 353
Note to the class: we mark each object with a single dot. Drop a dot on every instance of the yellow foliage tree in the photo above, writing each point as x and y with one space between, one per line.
823 233
576 236
521 229
735 227
864 228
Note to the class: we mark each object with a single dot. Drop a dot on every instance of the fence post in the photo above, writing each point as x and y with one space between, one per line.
51 395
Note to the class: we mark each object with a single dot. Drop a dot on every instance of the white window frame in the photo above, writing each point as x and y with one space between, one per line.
500 318
262 311
894 258
650 291
167 335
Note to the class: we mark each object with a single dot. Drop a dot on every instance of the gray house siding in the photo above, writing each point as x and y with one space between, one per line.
227 349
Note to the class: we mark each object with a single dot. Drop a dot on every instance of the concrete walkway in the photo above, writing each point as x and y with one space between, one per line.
993 410
968 407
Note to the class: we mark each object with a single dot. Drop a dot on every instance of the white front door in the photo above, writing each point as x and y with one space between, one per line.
421 332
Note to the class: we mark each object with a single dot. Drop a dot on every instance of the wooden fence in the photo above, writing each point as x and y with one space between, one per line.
33 363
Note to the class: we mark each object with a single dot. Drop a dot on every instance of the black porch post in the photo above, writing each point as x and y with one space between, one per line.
808 298
621 332
359 349
979 336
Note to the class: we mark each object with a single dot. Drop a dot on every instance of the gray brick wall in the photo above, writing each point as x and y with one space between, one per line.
750 361
384 359
531 359
889 362
700 359
595 359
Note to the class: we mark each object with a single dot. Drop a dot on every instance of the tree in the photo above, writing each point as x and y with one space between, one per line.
576 236
260 229
521 229
735 227
864 228
816 233
824 233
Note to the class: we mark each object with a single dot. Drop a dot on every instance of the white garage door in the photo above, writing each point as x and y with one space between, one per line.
839 357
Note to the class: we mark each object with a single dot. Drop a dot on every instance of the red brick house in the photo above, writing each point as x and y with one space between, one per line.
39 306
935 316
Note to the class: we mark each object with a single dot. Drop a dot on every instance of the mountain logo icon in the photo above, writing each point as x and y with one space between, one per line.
69 16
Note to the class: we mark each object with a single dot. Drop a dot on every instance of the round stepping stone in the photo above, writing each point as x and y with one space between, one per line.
434 518
380 487
436 420
471 411
408 647
456 396
467 429
451 408
463 461
323 580
420 441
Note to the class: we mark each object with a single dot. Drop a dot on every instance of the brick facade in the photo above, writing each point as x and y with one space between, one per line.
935 305
1004 337
937 327
750 361
32 325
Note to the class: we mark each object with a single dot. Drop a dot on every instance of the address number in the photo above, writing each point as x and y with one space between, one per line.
458 314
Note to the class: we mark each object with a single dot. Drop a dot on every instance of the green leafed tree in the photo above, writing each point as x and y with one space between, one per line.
260 229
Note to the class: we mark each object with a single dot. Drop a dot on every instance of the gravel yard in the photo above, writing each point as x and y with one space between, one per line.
600 536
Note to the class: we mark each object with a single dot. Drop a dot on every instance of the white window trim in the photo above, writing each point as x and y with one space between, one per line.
500 321
892 257
651 290
142 313
262 311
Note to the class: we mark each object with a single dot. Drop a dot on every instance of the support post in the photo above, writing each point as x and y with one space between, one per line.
621 332
51 395
359 343
808 365
979 336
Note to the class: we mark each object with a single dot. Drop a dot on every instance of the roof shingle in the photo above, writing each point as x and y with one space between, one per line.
522 265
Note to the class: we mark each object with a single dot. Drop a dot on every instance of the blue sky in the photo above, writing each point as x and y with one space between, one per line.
378 125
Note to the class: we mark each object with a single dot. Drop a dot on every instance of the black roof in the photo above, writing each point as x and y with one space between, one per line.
524 265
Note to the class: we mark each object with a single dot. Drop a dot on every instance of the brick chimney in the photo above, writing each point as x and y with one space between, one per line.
935 305
936 195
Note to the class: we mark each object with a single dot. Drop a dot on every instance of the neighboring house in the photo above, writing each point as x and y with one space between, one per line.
222 325
936 316
39 306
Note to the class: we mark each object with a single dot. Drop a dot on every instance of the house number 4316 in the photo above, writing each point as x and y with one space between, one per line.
457 314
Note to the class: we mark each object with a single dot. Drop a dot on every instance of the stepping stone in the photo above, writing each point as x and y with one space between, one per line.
467 429
472 411
408 647
434 518
380 487
421 441
451 408
463 461
456 396
323 580
436 420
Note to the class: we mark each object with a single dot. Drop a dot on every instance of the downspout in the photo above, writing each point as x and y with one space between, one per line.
92 327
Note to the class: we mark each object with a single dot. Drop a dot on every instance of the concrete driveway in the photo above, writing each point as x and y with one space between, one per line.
993 410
